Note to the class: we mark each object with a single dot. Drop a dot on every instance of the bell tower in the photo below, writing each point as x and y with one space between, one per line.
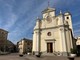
67 17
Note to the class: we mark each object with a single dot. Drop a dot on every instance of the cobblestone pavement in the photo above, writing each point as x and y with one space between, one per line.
15 56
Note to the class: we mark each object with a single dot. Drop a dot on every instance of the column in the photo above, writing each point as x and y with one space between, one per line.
64 43
38 39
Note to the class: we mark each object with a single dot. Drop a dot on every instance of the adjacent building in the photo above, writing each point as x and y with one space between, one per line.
53 34
3 39
10 47
78 45
78 41
24 45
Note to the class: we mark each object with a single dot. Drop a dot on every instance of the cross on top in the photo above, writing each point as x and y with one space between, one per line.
48 3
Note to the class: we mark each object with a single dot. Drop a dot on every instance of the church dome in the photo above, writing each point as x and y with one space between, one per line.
67 13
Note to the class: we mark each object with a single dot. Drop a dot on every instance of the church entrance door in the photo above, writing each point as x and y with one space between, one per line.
49 47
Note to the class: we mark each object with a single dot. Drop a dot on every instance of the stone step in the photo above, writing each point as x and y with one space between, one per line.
48 54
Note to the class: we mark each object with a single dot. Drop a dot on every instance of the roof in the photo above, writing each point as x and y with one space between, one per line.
78 37
24 40
3 30
48 10
67 13
9 42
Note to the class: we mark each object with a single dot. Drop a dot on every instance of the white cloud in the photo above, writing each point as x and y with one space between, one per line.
78 23
76 31
11 21
9 16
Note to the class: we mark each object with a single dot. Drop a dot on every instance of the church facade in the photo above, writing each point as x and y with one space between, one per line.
53 34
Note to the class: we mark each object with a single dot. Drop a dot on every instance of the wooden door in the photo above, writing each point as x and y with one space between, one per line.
49 47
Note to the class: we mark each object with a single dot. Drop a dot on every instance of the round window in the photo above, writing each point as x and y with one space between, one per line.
49 33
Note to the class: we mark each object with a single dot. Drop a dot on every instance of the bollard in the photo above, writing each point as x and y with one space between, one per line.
71 58
21 55
38 54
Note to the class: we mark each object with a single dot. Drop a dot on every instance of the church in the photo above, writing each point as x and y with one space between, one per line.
53 33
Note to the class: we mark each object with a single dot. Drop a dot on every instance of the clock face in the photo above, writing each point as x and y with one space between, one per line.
49 19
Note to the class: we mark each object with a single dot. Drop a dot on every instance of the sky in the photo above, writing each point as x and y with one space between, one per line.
18 17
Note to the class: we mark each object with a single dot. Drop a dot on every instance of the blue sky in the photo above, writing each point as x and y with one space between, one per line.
19 16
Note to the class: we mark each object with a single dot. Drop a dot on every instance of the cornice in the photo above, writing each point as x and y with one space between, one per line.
52 27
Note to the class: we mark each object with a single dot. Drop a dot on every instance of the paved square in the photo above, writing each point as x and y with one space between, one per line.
15 56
